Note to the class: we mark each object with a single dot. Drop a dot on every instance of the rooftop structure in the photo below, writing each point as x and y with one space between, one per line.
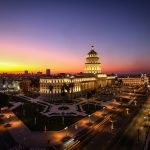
92 64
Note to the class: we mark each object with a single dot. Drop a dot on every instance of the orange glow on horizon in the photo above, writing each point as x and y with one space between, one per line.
16 57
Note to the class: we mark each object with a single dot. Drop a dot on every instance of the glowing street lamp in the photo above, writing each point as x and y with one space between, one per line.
89 118
66 130
145 120
76 127
135 102
127 110
112 124
103 108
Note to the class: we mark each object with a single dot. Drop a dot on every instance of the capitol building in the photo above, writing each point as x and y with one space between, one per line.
92 78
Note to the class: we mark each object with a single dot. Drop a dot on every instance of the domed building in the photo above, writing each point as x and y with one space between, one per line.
92 64
92 78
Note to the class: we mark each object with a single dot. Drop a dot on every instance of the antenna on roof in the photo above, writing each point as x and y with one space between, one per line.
92 47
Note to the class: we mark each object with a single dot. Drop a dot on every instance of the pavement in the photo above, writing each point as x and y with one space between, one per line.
134 136
24 136
127 141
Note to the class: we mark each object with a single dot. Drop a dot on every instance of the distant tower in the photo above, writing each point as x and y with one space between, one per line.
92 64
48 72
26 72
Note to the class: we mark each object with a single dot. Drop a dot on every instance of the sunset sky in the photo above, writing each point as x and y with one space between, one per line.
57 34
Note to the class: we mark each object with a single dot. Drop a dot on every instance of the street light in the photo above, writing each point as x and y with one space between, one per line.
66 130
89 118
103 108
145 120
112 124
127 109
135 102
76 127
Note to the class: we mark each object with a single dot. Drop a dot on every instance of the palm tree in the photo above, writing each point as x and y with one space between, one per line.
65 87
50 87
88 96
93 92
63 94
71 85
34 84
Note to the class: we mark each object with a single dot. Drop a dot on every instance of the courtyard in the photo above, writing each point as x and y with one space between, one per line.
38 115
54 122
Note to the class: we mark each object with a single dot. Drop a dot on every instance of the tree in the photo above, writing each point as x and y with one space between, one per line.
63 94
65 87
120 82
50 87
34 83
71 85
88 96
4 99
93 92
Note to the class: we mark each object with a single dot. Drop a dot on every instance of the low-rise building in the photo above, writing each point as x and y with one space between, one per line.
25 85
130 81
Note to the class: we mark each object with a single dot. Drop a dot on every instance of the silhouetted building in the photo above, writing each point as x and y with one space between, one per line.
48 72
26 72
39 73
25 85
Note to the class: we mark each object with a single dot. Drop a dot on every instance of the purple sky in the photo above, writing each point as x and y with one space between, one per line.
57 34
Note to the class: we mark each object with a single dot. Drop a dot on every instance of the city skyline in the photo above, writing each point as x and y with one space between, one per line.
36 35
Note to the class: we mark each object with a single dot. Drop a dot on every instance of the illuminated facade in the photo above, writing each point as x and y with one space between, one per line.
129 81
80 83
91 78
92 64
10 86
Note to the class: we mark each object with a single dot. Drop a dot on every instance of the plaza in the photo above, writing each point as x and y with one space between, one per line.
43 124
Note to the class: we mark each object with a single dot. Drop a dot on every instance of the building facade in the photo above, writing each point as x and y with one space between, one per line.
131 81
48 72
79 84
92 64
25 85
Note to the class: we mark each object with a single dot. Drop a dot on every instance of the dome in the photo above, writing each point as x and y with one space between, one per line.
92 52
92 64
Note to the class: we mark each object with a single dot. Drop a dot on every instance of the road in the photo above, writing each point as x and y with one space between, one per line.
134 136
6 140
90 134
